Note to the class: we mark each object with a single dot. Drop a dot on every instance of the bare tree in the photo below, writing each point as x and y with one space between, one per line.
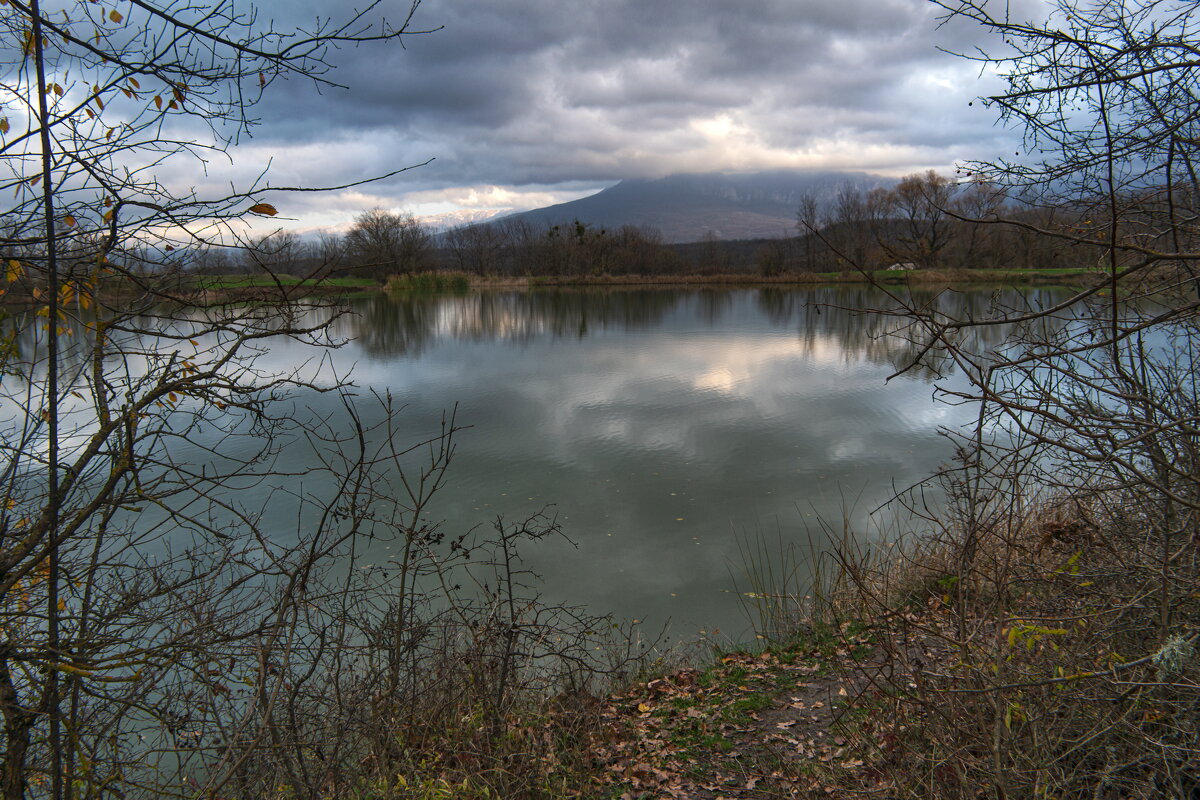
980 203
808 225
847 225
476 247
173 619
330 250
922 202
280 252
384 243
129 578
1069 557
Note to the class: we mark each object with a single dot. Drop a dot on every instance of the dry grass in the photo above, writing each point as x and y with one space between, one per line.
1044 667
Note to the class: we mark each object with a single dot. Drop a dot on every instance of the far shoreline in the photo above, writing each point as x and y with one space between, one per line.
221 289
951 278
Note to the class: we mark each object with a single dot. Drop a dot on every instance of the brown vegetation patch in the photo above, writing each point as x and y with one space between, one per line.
786 722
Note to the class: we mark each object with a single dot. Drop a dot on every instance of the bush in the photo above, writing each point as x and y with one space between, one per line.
426 282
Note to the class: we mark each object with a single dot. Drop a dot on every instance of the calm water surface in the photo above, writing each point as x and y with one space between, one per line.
660 425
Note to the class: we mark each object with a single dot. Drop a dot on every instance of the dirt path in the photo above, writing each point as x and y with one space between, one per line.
810 719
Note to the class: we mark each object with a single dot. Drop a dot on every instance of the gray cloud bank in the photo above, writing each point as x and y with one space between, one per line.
524 102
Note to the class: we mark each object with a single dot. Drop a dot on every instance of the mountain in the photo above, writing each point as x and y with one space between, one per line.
453 219
686 208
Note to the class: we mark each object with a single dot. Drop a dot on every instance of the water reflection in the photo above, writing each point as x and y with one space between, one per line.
657 422
389 325
386 326
660 422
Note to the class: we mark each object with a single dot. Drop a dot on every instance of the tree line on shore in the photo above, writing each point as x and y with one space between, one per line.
926 221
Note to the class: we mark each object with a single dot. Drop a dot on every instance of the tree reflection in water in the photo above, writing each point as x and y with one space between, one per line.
405 325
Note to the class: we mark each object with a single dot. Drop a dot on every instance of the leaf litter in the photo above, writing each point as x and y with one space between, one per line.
797 721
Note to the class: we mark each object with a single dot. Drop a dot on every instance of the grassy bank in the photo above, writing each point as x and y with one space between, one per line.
240 288
955 278
214 283
243 288
203 289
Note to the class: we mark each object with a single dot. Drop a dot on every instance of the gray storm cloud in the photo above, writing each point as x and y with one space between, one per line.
542 92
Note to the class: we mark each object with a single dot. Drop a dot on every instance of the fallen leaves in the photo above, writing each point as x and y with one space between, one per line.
775 724
724 732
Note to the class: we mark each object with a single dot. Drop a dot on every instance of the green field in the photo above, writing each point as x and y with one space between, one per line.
219 282
453 281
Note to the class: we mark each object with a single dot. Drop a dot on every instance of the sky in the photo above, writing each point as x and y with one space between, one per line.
517 104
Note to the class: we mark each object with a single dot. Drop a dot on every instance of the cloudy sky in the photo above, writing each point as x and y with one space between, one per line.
522 103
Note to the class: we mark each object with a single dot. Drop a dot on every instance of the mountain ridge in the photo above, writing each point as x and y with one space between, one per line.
688 207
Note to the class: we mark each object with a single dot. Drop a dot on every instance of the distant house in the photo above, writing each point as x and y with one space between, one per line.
904 265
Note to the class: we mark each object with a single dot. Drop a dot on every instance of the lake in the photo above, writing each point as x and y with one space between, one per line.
659 425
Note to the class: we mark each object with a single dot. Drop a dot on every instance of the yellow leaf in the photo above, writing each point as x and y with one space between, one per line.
58 90
158 102
14 270
263 208
4 125
108 215
69 221
133 82
643 708
115 15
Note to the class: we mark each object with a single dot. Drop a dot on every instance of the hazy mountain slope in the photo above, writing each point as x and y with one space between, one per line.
686 207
